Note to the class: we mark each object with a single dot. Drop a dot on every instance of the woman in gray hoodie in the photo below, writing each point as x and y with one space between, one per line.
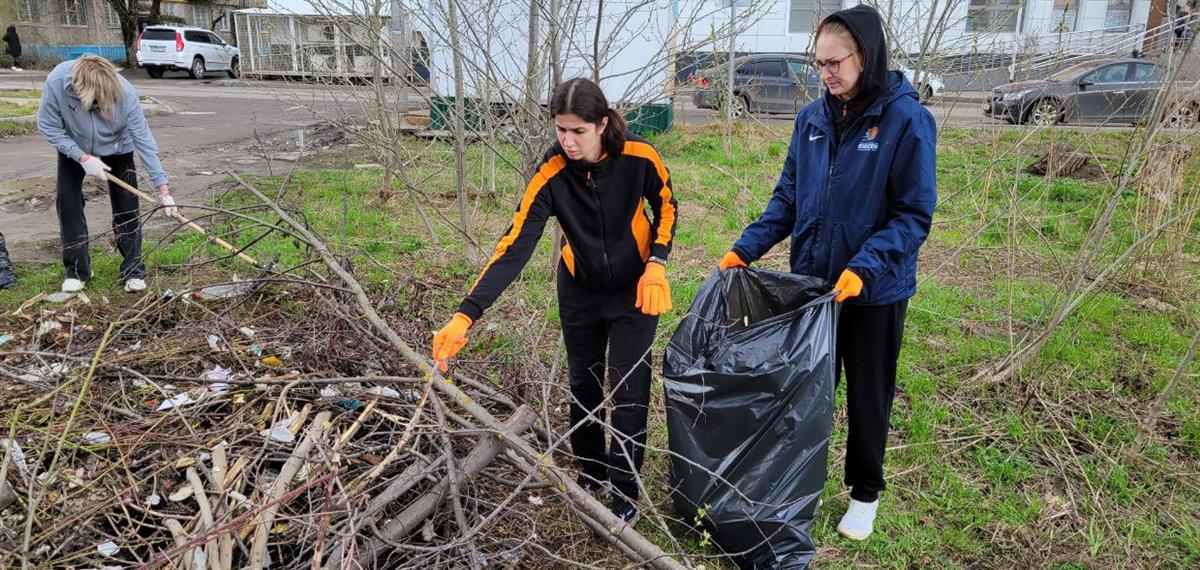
92 116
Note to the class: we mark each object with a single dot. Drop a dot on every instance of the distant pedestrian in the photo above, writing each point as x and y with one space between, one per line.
92 116
1183 23
12 44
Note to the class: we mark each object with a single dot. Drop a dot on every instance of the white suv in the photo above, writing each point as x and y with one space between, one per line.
194 50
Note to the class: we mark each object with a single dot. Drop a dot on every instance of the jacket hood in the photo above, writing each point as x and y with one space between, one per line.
866 25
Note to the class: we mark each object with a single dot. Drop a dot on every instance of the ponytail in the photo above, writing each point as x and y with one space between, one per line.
613 139
584 99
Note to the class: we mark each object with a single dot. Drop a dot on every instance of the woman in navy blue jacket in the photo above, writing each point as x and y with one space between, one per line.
856 196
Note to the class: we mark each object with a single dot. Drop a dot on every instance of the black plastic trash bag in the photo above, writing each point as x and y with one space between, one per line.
750 382
7 277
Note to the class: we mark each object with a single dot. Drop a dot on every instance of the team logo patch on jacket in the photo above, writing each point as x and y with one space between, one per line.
868 143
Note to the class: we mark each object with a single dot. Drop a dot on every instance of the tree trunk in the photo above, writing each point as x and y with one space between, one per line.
460 134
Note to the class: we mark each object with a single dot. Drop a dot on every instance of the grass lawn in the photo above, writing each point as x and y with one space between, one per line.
1039 470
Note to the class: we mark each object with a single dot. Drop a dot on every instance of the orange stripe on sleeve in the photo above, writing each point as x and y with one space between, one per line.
548 170
667 223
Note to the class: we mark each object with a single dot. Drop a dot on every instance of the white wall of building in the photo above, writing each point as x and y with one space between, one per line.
765 23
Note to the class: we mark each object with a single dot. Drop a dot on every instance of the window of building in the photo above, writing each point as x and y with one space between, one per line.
1066 13
201 16
111 18
1118 13
74 13
29 11
805 15
996 16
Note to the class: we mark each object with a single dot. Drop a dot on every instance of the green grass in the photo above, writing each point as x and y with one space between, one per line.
11 128
8 109
21 93
1039 470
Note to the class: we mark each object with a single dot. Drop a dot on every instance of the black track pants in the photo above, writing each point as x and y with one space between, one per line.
593 323
72 225
868 347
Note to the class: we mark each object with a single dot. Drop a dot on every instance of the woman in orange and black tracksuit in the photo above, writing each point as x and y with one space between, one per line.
612 282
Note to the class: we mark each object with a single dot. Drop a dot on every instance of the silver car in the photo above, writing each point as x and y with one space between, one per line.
762 83
1107 91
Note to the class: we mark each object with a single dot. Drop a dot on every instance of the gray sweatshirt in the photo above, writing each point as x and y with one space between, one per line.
74 130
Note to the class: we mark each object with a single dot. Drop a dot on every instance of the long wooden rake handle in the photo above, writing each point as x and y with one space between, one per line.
178 216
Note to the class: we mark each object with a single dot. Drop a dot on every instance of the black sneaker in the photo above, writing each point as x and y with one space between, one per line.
624 509
591 485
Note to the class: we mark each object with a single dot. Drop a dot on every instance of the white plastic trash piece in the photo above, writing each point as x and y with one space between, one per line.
247 332
385 392
48 326
279 432
93 437
153 500
218 376
107 548
183 398
213 340
330 392
12 448
5 338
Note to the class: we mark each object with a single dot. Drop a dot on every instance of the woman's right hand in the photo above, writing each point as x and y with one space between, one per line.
451 339
93 166
731 260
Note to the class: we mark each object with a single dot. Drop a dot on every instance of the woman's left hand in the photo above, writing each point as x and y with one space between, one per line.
653 291
167 201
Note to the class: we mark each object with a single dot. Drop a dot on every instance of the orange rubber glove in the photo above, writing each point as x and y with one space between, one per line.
448 341
653 291
731 259
849 285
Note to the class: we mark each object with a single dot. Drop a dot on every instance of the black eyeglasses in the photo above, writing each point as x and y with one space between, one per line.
833 65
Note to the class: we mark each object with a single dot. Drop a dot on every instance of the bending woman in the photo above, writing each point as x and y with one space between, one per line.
612 283
92 117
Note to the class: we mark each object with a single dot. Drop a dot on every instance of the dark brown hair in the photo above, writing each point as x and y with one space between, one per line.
583 98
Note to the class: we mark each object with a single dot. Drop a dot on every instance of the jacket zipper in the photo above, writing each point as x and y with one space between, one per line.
603 231
837 145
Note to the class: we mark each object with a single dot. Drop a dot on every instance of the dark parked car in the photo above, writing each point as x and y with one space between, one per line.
1100 91
762 83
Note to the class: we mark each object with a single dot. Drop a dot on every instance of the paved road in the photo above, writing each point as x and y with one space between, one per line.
215 125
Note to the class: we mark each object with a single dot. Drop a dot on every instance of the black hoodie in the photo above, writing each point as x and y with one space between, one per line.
866 25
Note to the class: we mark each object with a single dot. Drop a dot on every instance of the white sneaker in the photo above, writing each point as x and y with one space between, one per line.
859 520
133 285
72 285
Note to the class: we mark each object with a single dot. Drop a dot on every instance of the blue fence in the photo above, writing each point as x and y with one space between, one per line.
110 52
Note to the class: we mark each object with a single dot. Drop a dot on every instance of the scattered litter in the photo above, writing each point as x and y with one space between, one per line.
349 404
272 362
107 548
222 291
280 431
256 350
213 341
13 449
247 332
219 374
330 392
5 338
183 493
153 500
536 500
492 326
385 392
93 437
48 326
59 297
1154 304
83 297
182 398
